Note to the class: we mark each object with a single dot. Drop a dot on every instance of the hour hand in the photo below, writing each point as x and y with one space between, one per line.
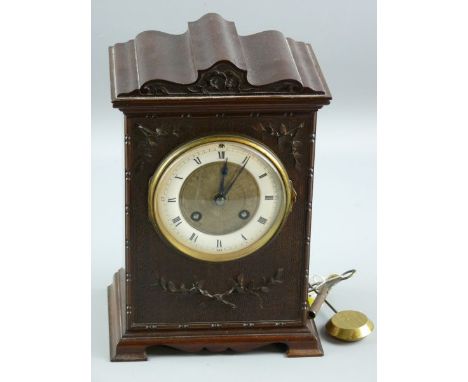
224 172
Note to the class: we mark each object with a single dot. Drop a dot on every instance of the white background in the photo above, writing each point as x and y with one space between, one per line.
45 218
343 35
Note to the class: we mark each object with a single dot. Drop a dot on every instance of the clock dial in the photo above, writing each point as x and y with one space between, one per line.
219 198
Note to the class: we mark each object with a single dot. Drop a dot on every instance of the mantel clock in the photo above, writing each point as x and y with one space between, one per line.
219 168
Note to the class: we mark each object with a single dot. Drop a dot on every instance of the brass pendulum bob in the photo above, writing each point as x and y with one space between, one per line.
347 325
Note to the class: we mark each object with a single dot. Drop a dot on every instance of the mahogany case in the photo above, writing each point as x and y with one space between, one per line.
173 89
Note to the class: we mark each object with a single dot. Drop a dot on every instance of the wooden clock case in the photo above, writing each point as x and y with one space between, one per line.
173 89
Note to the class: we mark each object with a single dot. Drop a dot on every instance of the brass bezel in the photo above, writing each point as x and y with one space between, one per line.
221 257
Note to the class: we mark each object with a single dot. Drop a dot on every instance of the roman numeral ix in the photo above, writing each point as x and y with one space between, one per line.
262 220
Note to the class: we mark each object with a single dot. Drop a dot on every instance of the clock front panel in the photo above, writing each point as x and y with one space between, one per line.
208 237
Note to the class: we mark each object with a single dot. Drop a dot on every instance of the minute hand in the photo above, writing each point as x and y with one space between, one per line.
235 178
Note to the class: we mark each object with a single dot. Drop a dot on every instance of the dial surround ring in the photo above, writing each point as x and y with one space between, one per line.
159 218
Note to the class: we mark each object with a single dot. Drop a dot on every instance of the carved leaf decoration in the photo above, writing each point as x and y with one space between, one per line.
240 279
157 281
279 275
288 135
296 145
159 90
176 131
160 132
193 89
163 283
154 89
258 126
232 83
284 130
297 156
285 144
152 139
171 286
149 135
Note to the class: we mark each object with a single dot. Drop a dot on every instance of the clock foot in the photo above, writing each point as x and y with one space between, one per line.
121 350
304 349
131 346
129 353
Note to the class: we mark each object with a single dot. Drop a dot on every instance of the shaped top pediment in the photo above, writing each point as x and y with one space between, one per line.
210 58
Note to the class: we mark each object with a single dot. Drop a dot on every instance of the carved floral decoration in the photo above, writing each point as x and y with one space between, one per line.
222 79
153 138
289 137
239 286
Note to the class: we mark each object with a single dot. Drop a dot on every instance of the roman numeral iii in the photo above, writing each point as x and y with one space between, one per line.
177 220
